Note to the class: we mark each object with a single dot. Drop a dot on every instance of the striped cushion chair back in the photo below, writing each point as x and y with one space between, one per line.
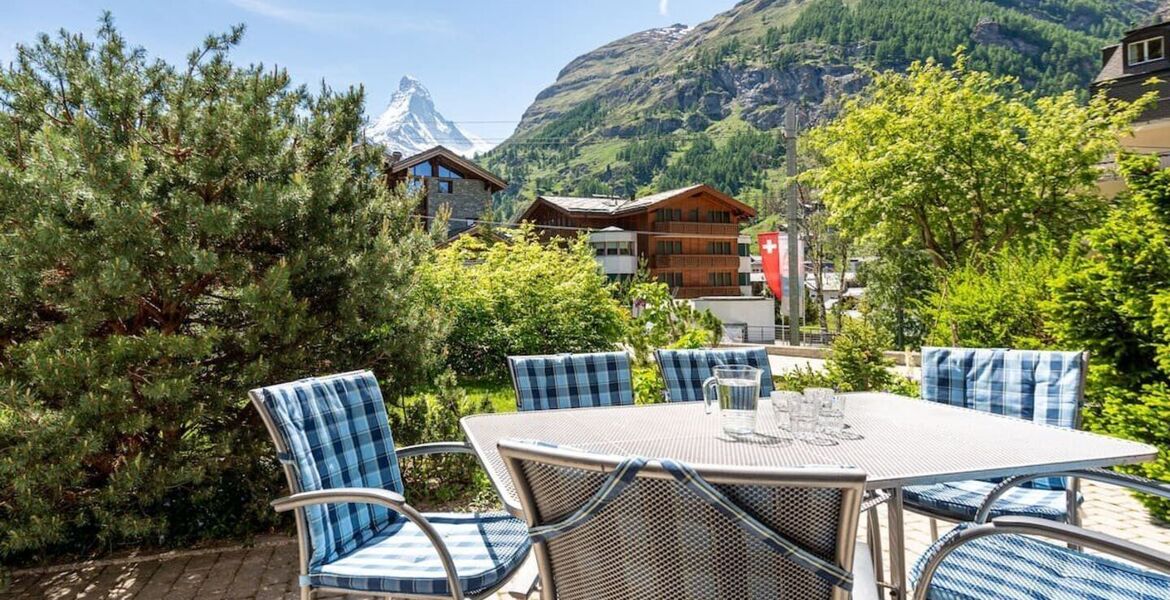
626 527
571 380
332 432
684 371
1040 386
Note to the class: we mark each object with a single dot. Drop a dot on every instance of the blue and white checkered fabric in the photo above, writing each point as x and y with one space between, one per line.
1013 566
338 436
1038 386
572 380
486 548
684 371
960 500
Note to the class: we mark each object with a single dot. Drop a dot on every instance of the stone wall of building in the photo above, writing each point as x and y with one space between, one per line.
469 200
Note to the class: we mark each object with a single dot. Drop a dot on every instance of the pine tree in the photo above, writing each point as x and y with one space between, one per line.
172 236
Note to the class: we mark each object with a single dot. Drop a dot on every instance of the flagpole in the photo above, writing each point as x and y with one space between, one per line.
794 285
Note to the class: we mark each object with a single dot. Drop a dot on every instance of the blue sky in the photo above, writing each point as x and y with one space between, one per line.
482 60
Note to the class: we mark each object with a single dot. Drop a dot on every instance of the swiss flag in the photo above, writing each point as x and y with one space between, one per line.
772 255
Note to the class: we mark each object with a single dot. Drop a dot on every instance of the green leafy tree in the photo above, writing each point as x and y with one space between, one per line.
522 297
1117 306
171 237
660 321
1000 305
960 163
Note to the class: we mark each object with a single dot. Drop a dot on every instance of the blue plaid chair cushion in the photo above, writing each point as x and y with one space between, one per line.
572 380
684 371
338 436
960 500
1012 566
1039 386
486 549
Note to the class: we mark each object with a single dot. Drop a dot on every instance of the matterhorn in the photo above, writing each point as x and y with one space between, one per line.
411 124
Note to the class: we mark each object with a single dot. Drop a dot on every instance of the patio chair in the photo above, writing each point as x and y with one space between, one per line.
684 371
571 380
355 529
626 527
994 560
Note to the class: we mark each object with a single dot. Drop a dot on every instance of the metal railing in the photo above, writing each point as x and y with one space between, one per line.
695 261
776 334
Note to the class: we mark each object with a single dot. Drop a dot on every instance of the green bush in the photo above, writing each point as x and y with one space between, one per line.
171 237
663 322
522 297
998 303
648 385
1117 306
856 361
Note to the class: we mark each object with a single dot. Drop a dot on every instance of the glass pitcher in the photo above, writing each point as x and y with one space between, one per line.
736 390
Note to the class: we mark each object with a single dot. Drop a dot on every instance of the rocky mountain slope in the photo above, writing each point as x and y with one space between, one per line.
411 124
676 105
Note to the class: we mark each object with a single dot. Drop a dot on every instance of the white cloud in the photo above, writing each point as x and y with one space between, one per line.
664 7
338 20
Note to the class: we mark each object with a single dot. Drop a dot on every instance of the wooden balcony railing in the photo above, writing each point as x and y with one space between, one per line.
698 292
696 261
696 228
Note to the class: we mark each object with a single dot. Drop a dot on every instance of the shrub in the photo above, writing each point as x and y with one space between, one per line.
522 297
663 322
1117 306
856 362
172 237
996 303
648 385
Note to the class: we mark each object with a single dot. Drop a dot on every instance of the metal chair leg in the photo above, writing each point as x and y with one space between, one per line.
873 530
933 530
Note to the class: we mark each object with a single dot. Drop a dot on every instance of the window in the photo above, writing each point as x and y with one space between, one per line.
599 248
718 216
718 247
745 249
745 278
422 170
719 279
1145 51
444 187
625 248
669 214
672 280
449 173
670 247
693 215
611 248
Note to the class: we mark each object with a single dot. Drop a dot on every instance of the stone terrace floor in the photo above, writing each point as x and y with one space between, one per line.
267 570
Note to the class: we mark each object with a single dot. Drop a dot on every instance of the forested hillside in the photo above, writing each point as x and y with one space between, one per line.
675 106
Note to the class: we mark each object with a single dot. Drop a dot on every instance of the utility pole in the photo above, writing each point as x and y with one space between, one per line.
794 285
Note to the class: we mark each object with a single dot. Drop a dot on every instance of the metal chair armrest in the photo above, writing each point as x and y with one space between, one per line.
1071 534
387 499
1132 482
435 448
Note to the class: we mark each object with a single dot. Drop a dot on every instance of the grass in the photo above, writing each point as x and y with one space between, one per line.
500 393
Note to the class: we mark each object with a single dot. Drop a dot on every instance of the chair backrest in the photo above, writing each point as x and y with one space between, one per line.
622 527
1035 385
333 432
684 371
571 380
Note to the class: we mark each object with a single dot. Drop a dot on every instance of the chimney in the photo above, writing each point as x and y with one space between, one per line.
395 157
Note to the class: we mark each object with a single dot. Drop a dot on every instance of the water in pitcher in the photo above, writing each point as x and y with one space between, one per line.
738 399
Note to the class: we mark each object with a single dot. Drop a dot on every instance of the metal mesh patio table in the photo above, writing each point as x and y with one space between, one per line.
900 442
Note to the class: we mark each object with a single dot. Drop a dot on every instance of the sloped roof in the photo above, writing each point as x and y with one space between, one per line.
1114 67
459 161
617 206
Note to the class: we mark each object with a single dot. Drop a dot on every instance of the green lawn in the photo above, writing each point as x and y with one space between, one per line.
500 393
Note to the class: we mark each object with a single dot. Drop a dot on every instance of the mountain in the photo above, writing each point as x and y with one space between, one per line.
411 124
674 106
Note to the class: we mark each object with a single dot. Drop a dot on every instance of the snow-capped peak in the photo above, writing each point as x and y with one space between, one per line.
411 124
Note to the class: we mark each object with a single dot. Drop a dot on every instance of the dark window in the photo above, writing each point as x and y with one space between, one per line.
1145 51
718 247
745 278
718 216
670 247
669 214
444 187
626 248
694 215
719 279
745 249
673 280
449 173
422 170
599 247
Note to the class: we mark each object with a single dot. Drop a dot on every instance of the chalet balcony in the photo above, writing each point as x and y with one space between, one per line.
696 261
697 228
699 292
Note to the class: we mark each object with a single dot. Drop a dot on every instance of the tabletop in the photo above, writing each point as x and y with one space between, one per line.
899 441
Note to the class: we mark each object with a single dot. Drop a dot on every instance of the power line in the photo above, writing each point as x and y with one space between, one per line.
511 225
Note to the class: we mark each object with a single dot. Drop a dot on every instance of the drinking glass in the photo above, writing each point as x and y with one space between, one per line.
781 403
736 390
804 412
832 417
